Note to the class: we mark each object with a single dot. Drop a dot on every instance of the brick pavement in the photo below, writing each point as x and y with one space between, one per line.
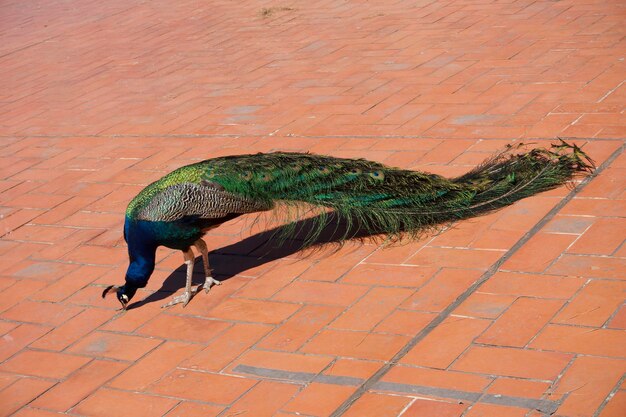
518 313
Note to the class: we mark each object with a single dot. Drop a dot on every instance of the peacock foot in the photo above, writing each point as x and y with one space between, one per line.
209 282
184 298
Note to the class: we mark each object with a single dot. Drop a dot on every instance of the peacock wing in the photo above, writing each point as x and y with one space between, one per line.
207 200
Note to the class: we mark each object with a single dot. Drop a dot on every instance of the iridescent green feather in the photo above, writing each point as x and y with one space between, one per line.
381 199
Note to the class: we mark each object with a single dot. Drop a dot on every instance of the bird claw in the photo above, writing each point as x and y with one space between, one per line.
184 298
209 282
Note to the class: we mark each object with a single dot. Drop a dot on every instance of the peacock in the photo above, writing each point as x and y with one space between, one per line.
177 210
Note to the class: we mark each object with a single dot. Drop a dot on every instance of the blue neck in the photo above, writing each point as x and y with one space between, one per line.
141 251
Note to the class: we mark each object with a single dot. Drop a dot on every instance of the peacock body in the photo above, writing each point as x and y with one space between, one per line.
177 210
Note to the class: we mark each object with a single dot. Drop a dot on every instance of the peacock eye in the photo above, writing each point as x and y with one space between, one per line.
324 170
209 175
355 171
247 175
377 175
266 177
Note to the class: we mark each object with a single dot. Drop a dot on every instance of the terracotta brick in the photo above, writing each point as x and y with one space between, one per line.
300 327
588 381
488 410
518 388
20 337
17 292
43 364
22 392
193 409
532 285
226 347
484 305
100 404
154 365
404 322
35 412
271 282
264 399
512 362
430 408
114 346
371 309
618 321
294 362
318 399
594 304
589 266
194 386
455 258
389 275
72 330
441 290
190 329
320 293
356 368
616 405
460 381
519 324
378 405
240 309
601 342
63 287
444 344
79 385
355 344
539 252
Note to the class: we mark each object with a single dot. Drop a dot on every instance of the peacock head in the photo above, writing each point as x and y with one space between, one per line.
141 254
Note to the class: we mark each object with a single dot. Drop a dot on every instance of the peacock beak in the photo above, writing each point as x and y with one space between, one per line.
119 291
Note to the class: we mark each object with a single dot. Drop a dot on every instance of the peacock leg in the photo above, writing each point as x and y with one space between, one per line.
209 280
189 292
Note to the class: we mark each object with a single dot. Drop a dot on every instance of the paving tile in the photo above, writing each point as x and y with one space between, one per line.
193 409
539 252
532 285
196 386
284 361
44 364
487 410
240 309
114 346
72 330
154 365
79 385
616 405
356 344
589 266
430 408
461 381
594 304
588 381
378 405
442 290
405 322
264 399
226 347
371 309
594 341
458 333
512 362
320 293
518 388
318 400
20 337
389 275
21 393
137 404
190 329
519 324
484 305
356 368
300 327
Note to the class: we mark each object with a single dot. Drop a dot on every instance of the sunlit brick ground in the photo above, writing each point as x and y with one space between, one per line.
518 313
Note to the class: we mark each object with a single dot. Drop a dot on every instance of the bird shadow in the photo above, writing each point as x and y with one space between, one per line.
267 246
